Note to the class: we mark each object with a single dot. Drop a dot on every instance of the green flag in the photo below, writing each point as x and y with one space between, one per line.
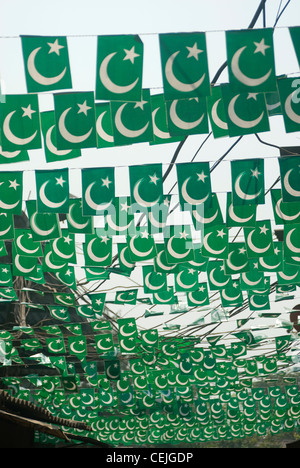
9 157
157 216
67 276
23 264
187 116
141 246
259 241
153 281
53 154
59 313
132 121
126 297
97 250
258 301
119 68
272 262
6 278
25 245
290 101
251 61
194 184
178 244
104 343
11 192
216 112
290 180
64 247
112 369
237 260
20 122
165 297
239 215
292 242
121 221
186 279
217 279
284 212
98 190
184 65
125 261
232 296
96 273
98 302
215 242
75 120
55 345
208 213
246 113
146 186
160 126
77 346
44 226
295 36
253 279
52 191
248 183
7 230
199 297
46 63
104 128
77 222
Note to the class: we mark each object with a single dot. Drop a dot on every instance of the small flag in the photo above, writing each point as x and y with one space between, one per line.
97 250
52 191
216 112
44 226
184 65
132 121
215 242
75 120
290 178
284 212
295 36
46 63
25 245
53 154
178 245
11 192
119 68
194 184
237 261
251 60
160 126
259 240
289 95
126 297
154 281
146 186
187 116
77 223
246 113
239 215
98 190
141 246
186 279
248 185
104 127
20 123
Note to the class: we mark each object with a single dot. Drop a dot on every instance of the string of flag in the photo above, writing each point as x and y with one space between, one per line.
135 386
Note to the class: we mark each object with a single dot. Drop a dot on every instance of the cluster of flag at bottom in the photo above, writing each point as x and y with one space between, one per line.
163 390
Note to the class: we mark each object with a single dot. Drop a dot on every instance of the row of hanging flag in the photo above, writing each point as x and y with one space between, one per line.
166 384
131 114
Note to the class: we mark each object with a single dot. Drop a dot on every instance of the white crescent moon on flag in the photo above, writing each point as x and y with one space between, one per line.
51 147
125 131
289 243
177 84
214 114
100 130
66 134
289 110
182 123
94 257
91 203
45 199
108 83
241 194
40 232
246 124
157 131
175 254
38 77
209 248
11 136
188 198
140 200
253 247
240 76
287 186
